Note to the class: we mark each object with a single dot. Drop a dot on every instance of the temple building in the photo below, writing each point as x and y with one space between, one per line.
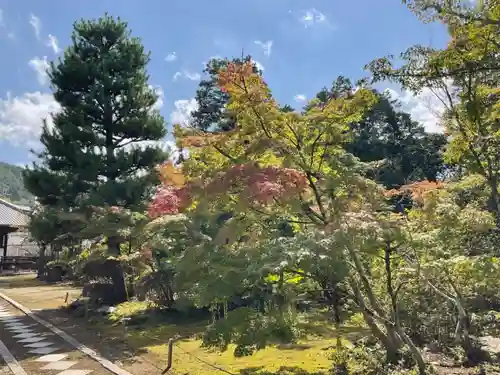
14 235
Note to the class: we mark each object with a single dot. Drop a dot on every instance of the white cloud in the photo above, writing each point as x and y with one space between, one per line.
182 112
266 46
52 43
40 67
21 117
192 76
9 33
425 107
36 24
300 98
312 17
171 57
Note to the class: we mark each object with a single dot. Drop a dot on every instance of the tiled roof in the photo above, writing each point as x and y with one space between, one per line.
12 215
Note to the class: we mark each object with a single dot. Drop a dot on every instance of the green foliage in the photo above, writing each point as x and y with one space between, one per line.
62 264
129 309
465 77
250 330
397 149
12 186
277 220
93 154
211 113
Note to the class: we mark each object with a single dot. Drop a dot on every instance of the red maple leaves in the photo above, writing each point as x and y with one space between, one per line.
261 185
252 183
168 200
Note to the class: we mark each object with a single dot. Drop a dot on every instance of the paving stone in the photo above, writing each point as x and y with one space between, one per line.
41 344
17 325
75 372
31 340
26 335
46 350
22 330
59 365
52 357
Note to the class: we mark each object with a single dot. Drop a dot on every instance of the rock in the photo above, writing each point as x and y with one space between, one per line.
491 344
433 347
106 309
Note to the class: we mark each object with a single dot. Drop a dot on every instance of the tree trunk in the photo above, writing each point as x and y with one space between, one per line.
390 345
415 352
495 199
117 275
472 352
41 261
339 368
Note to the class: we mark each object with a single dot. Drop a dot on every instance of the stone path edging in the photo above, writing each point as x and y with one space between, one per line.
69 339
12 363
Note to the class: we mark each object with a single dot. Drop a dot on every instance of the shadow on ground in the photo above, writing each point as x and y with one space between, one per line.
140 347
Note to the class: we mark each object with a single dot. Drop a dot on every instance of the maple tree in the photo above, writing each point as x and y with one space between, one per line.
211 114
465 79
273 217
295 165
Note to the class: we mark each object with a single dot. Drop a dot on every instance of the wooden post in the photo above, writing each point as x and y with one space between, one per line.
169 358
6 243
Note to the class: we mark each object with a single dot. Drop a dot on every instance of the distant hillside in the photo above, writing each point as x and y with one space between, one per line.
11 185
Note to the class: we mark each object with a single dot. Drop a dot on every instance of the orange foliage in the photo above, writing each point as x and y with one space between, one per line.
416 189
235 73
199 140
170 175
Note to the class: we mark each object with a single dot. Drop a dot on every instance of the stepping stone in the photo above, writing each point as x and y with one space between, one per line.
22 330
59 365
26 335
31 340
13 329
46 350
51 358
17 325
41 344
11 326
75 372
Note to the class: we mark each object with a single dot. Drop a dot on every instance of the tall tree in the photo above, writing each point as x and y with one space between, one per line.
466 78
103 146
95 152
292 165
211 114
388 134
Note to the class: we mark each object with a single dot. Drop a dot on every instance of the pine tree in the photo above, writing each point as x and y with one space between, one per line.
104 143
211 114
101 149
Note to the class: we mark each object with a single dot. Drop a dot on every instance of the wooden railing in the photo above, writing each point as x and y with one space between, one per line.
18 263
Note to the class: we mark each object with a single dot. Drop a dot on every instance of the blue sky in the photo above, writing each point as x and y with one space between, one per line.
302 45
